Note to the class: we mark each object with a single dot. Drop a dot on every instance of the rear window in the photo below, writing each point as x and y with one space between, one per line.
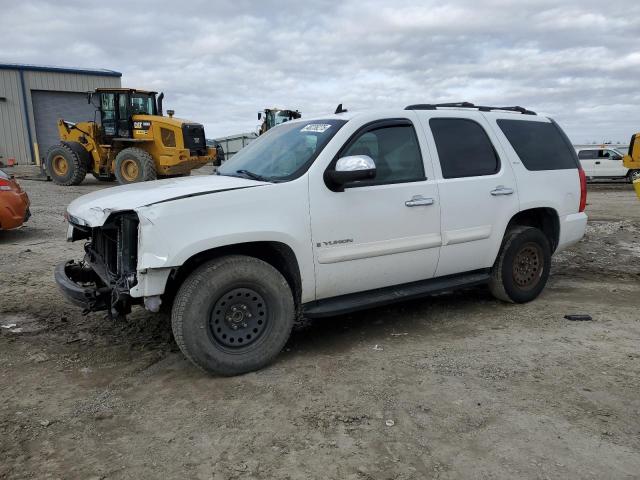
540 145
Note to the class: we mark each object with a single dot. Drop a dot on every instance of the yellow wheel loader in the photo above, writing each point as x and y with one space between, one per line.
632 162
275 116
133 142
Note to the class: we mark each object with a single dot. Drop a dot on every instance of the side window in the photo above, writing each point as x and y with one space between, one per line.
612 155
464 148
108 107
587 154
541 145
395 151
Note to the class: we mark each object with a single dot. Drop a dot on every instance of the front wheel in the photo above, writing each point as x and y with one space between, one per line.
134 165
64 165
233 315
522 268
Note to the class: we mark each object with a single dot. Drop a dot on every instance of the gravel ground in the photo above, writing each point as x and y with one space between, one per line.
454 386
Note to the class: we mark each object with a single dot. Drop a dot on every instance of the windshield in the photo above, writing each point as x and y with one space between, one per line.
284 152
142 104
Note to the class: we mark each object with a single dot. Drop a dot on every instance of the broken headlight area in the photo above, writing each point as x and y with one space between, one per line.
108 270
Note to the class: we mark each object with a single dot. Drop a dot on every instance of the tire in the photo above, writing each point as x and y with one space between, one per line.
64 166
631 174
134 165
233 315
521 270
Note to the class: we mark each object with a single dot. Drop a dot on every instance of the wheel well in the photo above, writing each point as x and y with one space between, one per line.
544 219
277 254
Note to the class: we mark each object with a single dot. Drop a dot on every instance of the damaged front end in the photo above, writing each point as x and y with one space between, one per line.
103 279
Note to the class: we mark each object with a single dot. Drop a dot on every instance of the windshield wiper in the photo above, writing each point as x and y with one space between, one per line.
253 176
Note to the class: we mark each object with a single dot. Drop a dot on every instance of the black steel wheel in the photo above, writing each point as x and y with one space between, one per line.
233 315
238 318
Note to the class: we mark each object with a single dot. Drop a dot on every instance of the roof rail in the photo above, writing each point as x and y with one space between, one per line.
481 108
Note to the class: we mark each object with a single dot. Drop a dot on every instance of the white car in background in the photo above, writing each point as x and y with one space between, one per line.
603 163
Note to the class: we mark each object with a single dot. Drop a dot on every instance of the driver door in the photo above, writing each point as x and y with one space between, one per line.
612 163
376 233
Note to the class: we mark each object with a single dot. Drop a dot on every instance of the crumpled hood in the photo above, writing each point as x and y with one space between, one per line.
94 208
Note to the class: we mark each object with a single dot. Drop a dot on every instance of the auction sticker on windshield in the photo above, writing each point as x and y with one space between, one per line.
316 127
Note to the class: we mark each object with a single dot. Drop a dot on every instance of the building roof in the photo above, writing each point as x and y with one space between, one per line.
103 72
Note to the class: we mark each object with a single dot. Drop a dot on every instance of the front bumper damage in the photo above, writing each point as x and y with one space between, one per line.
82 287
104 278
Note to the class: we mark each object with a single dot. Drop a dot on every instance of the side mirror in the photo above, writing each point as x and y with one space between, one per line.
350 169
89 95
259 115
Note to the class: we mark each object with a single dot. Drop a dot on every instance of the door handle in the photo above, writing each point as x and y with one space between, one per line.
418 201
597 163
501 190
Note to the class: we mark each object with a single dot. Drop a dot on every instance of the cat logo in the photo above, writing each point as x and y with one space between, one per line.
196 139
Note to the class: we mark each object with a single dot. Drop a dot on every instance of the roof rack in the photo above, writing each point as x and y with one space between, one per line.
481 108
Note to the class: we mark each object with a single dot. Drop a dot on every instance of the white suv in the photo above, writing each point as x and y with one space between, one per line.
325 216
604 162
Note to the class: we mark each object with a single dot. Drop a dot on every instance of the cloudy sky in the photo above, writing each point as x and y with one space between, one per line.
219 62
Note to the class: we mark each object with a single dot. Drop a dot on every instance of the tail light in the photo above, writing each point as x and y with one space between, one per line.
583 189
5 184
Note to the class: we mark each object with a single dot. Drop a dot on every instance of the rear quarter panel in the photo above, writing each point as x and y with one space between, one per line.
557 189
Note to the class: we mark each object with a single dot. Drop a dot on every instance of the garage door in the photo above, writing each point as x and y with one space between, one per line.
48 107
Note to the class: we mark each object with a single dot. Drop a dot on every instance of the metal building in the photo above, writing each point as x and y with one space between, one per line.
33 98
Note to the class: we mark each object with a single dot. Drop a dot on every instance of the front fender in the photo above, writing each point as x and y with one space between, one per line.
172 232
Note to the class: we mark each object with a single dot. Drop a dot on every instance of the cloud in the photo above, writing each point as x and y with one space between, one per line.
221 62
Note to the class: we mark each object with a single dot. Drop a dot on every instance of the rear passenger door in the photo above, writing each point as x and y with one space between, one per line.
477 189
588 160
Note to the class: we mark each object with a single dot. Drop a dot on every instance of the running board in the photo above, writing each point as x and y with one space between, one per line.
398 293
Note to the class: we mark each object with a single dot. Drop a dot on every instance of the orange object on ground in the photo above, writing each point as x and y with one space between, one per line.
14 203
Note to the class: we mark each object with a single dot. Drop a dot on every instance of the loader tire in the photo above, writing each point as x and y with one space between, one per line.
64 166
522 268
233 315
134 165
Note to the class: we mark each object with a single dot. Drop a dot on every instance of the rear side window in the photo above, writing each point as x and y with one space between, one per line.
540 145
587 154
464 148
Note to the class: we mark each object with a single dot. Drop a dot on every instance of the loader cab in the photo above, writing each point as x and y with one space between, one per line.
118 106
275 116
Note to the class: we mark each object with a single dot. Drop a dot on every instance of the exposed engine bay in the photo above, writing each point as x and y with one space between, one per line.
108 270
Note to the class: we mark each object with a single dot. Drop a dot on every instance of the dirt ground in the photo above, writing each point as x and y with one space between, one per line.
454 386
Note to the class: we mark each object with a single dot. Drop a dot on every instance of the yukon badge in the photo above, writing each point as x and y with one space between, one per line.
334 242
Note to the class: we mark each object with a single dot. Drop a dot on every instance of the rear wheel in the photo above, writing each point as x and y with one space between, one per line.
134 165
522 268
631 174
64 166
233 315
